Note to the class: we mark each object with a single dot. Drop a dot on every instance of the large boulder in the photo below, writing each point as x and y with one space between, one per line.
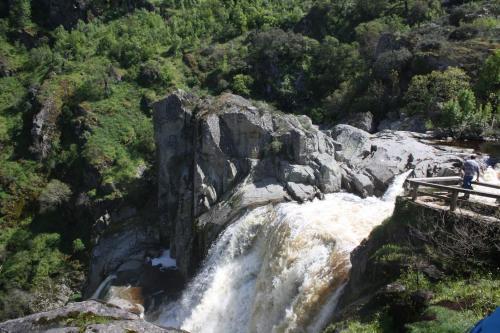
361 120
88 316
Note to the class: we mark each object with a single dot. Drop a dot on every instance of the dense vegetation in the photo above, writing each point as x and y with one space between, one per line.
76 86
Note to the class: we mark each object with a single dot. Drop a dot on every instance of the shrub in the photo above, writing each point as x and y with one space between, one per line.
489 76
462 115
20 13
35 260
78 246
280 63
427 93
151 72
333 62
424 10
390 61
43 57
242 84
53 195
94 88
368 33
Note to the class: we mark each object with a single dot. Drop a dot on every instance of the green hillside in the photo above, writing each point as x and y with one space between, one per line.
76 84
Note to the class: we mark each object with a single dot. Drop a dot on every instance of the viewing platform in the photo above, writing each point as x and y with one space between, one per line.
446 193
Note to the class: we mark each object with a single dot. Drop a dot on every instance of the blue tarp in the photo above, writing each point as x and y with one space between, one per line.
490 324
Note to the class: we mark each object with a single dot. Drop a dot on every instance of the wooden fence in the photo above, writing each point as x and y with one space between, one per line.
450 185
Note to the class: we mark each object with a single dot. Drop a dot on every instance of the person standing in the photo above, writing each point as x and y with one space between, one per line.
470 168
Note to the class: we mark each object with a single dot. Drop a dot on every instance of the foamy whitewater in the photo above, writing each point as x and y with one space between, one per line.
490 176
281 268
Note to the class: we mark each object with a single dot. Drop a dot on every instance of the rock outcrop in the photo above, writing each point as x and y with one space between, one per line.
45 132
218 157
124 237
371 161
89 316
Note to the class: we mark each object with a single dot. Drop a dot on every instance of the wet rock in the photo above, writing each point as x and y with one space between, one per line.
363 185
301 192
296 173
330 174
353 142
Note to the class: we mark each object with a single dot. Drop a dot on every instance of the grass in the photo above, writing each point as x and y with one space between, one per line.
445 321
122 138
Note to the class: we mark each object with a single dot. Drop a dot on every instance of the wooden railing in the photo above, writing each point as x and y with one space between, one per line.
452 187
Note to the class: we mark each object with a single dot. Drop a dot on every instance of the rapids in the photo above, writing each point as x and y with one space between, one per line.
279 268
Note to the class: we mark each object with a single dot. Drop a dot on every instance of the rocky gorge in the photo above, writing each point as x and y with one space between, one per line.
238 166
218 159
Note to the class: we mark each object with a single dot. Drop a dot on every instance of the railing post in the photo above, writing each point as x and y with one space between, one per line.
414 192
454 200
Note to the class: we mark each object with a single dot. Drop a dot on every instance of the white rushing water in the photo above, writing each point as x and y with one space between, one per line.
491 176
279 269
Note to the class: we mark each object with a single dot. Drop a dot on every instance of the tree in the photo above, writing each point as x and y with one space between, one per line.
242 84
463 116
334 62
54 194
20 13
280 63
427 93
489 76
368 33
423 10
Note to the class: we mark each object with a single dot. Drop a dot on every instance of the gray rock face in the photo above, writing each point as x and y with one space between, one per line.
44 130
123 237
218 157
362 120
89 316
120 252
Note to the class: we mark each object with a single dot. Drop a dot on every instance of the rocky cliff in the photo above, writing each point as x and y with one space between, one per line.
218 157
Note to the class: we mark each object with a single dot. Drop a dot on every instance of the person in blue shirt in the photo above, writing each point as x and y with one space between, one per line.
490 324
470 168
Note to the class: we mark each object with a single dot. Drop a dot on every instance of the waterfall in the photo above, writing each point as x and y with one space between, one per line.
279 268
104 285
